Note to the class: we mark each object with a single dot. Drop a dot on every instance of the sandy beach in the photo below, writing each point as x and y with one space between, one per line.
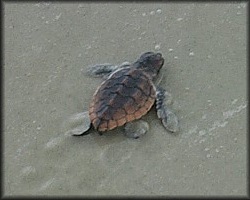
48 48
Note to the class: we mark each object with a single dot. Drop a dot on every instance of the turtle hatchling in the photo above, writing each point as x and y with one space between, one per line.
128 92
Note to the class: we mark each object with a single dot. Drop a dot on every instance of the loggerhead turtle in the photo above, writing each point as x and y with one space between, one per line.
127 94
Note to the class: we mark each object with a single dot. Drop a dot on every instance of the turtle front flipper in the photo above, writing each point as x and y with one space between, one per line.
135 129
104 70
168 118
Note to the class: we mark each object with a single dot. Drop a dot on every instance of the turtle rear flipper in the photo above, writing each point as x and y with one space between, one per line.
136 129
81 130
78 124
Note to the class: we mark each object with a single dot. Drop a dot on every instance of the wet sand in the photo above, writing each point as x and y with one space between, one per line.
48 47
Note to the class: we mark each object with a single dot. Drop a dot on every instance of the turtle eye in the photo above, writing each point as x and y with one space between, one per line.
146 55
159 55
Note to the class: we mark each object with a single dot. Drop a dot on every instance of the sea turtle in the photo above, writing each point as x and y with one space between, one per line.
127 93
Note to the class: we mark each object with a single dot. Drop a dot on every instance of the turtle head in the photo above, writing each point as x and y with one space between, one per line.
150 62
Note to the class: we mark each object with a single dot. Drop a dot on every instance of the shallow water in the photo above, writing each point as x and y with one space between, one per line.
48 47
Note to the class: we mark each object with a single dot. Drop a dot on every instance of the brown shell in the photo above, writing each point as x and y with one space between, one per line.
127 95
